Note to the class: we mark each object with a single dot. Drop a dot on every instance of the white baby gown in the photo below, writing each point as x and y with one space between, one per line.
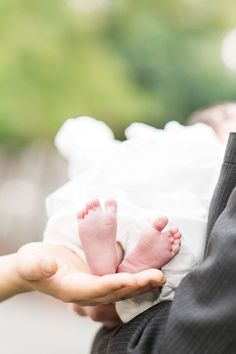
155 172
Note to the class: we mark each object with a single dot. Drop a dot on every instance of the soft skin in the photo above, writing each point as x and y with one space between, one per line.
59 272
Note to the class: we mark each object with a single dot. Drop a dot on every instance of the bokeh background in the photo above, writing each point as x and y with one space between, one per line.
119 61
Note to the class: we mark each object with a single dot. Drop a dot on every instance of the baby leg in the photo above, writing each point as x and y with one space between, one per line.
154 249
97 231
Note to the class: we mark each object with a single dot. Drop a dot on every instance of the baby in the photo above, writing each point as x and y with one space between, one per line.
97 230
154 172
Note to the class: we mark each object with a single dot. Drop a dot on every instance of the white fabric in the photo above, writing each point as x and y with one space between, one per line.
154 172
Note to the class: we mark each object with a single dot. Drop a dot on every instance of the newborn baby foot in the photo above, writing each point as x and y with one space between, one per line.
97 231
154 249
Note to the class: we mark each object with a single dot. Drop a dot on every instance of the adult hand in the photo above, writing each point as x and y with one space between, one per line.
59 272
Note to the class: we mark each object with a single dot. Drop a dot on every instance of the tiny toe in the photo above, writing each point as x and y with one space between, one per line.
80 215
176 246
177 242
175 249
96 204
174 230
160 223
89 206
85 211
169 234
111 204
177 235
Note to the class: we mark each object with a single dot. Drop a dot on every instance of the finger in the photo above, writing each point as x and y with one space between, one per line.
145 281
153 277
79 287
81 311
123 294
102 313
106 314
118 295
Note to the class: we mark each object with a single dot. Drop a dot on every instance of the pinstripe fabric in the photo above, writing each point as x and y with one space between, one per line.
202 317
203 314
225 184
130 338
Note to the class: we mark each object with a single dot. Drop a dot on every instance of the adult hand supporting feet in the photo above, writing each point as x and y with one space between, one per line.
59 272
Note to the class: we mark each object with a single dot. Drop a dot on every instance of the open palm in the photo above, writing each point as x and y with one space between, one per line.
58 271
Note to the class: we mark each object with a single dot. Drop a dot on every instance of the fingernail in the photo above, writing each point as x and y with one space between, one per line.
46 266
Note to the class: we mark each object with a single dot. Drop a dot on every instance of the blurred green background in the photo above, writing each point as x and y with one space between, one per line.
116 60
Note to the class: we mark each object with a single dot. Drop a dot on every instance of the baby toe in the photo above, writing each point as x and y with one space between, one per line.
85 211
174 230
177 235
80 214
111 204
176 246
160 223
96 204
171 238
89 206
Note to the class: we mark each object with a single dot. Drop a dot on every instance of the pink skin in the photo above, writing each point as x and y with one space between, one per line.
97 230
154 249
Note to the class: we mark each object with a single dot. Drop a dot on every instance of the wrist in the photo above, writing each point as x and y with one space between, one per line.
20 285
10 281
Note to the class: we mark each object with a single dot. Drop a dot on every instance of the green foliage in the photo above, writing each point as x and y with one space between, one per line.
133 60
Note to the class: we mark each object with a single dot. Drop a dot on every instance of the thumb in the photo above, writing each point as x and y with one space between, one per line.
36 268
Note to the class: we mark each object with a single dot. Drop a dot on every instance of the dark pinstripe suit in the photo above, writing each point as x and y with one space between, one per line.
202 317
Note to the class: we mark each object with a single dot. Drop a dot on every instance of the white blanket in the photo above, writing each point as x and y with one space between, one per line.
154 172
